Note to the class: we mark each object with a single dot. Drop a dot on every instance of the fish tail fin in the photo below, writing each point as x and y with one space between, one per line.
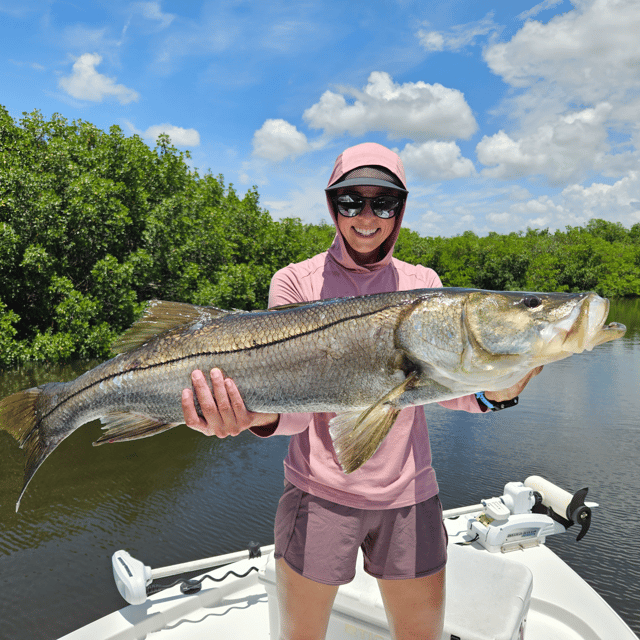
124 426
21 417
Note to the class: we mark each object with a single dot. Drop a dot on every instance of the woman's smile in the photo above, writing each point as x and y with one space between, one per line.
367 233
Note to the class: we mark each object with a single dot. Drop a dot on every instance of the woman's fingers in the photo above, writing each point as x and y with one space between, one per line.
223 410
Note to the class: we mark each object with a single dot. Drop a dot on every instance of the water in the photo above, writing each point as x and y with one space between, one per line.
180 496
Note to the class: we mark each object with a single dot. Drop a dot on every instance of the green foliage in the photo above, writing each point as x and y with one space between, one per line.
94 223
11 350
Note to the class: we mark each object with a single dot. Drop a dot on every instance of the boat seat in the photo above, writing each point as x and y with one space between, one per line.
488 598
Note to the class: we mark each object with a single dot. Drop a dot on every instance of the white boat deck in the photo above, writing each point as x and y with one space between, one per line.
239 608
520 591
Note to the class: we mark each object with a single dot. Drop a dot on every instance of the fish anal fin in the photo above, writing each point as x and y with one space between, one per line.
159 317
130 426
357 436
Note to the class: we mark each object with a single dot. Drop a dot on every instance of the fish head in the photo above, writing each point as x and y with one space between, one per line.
490 339
539 327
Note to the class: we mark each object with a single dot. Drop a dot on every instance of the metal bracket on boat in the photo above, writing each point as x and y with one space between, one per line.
562 506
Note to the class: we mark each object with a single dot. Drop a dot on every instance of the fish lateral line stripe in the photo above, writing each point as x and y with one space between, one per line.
199 354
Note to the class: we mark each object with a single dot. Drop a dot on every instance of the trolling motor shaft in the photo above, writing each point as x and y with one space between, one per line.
133 578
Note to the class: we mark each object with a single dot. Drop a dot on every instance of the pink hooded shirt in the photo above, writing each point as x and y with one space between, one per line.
400 472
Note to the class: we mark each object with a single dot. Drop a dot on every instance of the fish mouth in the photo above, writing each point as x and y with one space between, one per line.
584 328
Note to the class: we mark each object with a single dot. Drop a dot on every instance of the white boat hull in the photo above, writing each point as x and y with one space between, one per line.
562 606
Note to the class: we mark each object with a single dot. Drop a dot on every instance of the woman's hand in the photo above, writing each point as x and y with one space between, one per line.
224 412
513 391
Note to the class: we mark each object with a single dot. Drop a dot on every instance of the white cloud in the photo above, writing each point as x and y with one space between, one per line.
152 11
459 36
541 212
85 83
618 201
501 220
575 205
277 140
534 11
446 210
436 161
507 207
562 149
307 202
592 51
430 223
414 110
32 65
589 56
179 136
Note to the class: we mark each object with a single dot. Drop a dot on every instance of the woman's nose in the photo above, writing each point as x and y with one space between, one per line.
367 211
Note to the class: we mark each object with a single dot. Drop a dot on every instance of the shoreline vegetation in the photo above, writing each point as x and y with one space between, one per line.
93 224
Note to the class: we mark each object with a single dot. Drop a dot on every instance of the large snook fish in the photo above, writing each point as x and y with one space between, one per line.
364 358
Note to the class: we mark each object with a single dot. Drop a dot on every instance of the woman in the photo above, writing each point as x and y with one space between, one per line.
389 506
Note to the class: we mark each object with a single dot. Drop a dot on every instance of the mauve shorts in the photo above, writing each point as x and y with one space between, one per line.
319 539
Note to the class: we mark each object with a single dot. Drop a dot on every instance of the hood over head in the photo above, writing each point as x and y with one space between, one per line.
383 168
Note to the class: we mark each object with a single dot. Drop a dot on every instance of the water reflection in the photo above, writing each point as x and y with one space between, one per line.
179 496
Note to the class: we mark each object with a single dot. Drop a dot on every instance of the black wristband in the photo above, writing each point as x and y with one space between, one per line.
494 405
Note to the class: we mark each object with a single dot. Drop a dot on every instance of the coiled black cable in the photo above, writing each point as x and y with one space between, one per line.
193 586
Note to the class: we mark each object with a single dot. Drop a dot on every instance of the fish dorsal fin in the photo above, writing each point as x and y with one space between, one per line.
159 317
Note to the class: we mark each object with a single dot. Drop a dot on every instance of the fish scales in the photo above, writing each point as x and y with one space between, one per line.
287 343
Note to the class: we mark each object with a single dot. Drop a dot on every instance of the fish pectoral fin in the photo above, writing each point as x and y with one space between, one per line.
130 426
356 436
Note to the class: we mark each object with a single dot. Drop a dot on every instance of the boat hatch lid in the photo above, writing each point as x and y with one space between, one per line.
488 597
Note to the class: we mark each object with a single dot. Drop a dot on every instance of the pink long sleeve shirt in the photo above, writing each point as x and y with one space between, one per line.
400 472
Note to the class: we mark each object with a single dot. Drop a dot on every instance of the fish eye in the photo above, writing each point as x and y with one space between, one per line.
531 302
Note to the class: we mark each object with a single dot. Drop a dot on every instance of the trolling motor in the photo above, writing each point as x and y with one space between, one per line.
527 513
133 578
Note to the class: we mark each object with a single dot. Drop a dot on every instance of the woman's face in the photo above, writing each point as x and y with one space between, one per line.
365 233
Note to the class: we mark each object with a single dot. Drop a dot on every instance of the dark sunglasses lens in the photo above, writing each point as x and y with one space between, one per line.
349 206
386 206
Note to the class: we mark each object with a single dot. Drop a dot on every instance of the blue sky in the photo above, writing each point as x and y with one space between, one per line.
507 115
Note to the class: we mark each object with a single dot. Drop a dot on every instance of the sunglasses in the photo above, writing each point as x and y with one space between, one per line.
350 205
